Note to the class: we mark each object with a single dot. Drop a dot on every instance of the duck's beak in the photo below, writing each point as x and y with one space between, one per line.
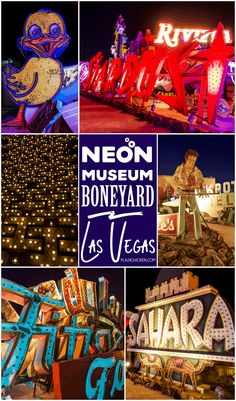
46 45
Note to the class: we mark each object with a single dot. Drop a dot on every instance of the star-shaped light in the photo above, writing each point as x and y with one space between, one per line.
216 60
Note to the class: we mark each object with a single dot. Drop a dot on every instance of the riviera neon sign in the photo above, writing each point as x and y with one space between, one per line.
138 76
173 37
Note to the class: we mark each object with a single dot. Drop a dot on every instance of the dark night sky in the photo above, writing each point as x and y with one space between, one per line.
221 279
34 276
97 19
14 14
216 154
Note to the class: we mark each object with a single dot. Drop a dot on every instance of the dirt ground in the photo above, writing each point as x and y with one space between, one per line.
25 391
139 392
227 232
96 117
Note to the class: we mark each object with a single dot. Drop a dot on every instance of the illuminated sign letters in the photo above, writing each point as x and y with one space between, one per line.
172 37
98 391
198 323
96 377
140 74
69 314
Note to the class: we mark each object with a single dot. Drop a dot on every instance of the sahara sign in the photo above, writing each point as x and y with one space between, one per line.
197 324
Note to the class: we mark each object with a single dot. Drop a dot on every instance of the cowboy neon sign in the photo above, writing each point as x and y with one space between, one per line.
173 37
138 76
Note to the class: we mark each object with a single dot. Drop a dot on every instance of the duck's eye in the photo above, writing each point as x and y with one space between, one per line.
35 31
55 30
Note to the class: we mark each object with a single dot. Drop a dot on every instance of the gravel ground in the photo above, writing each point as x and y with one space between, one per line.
96 117
139 392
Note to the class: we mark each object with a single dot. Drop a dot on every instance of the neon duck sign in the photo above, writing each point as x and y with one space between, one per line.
69 313
41 77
